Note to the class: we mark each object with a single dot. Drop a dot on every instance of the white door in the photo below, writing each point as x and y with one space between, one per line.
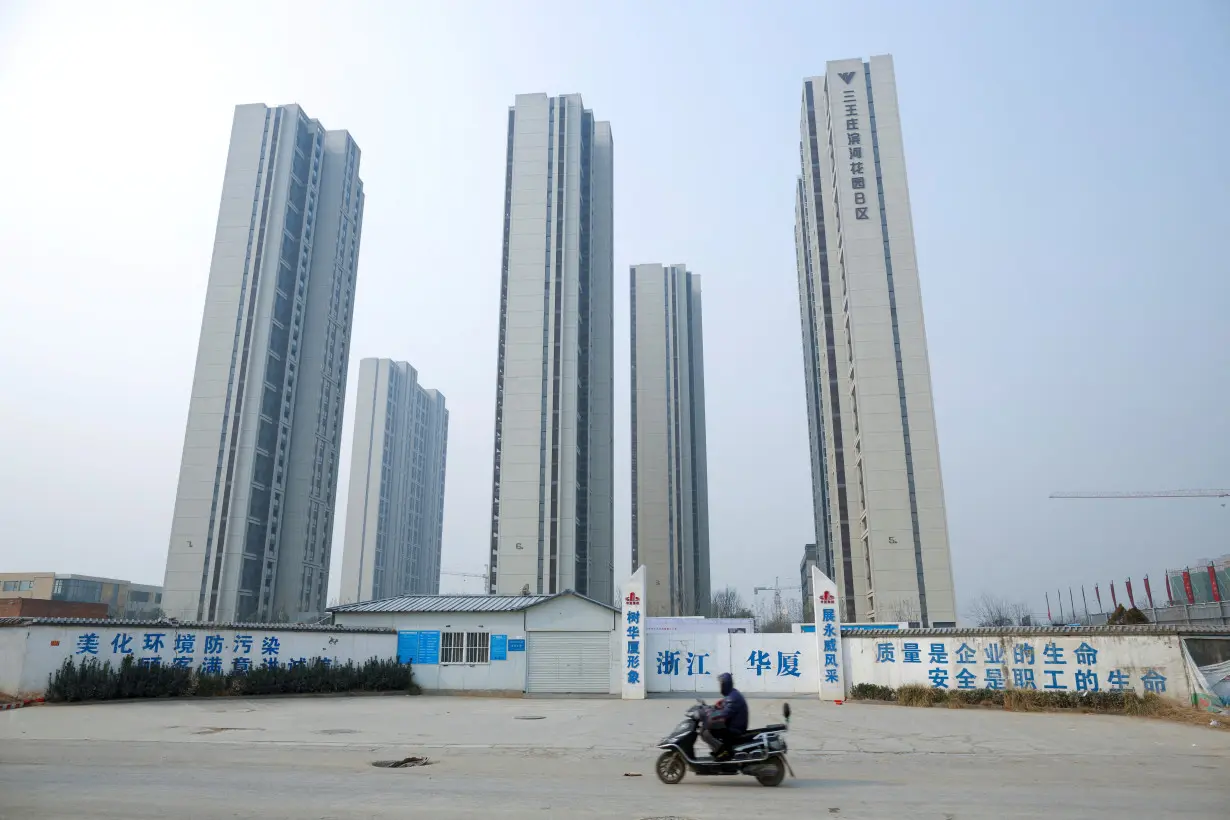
570 662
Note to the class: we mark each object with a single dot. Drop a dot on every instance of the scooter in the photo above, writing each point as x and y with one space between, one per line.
760 753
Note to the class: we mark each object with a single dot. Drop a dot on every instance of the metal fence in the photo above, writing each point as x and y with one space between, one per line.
1206 584
1210 614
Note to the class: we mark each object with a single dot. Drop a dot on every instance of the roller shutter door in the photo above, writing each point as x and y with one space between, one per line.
569 662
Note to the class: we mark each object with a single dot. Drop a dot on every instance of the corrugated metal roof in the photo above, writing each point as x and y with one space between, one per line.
458 603
1025 631
19 622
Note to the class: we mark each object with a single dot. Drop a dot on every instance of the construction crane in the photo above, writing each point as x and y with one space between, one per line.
482 575
776 589
1147 494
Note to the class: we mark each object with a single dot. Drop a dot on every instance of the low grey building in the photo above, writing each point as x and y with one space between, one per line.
509 644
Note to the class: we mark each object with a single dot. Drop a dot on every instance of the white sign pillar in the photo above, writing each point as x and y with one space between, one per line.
632 635
828 636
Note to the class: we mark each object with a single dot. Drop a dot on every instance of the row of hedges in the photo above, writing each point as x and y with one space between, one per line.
1017 700
91 680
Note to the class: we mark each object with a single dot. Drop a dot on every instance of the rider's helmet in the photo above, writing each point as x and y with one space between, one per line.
725 683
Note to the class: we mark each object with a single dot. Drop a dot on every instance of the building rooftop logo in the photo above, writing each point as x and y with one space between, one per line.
847 76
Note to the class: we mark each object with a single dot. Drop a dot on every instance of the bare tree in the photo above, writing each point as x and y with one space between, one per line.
988 610
769 620
903 610
728 603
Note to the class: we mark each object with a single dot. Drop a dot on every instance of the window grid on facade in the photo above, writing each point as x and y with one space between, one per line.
458 648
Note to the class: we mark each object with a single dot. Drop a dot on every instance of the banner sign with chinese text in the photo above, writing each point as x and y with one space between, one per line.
219 650
828 636
774 663
1045 662
631 626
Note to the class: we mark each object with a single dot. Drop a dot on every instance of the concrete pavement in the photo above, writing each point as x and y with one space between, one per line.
311 757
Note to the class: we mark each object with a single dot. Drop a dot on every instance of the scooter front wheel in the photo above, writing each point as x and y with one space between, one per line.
670 767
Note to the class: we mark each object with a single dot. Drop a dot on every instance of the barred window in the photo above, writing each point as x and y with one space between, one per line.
478 647
465 647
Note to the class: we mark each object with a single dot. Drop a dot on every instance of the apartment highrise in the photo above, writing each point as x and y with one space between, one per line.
552 508
877 489
670 493
395 513
811 558
253 517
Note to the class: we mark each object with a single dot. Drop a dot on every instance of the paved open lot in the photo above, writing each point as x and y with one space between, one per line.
312 758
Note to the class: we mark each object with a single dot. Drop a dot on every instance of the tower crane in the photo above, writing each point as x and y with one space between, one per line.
1223 493
482 575
776 589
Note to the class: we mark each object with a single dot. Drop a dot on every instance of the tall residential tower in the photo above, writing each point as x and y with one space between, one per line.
670 492
552 505
395 514
877 489
253 517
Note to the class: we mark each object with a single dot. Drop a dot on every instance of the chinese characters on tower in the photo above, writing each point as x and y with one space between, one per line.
850 149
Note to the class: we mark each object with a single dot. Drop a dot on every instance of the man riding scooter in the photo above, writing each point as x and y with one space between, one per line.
728 720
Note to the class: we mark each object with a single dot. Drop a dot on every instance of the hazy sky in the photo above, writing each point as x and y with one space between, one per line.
1069 172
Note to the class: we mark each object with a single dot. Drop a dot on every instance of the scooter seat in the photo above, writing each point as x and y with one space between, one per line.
751 733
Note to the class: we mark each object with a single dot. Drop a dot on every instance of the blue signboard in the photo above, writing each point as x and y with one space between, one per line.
420 648
808 628
429 648
516 645
407 647
499 647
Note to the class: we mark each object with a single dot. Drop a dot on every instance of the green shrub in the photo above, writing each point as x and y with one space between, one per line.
91 680
872 691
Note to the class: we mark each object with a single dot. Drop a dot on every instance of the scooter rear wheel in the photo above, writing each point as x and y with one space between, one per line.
772 774
671 768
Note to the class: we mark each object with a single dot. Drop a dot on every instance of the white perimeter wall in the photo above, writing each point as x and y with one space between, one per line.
1047 661
28 655
1052 662
12 659
759 663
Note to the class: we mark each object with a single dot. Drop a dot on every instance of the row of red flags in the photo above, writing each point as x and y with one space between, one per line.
1171 600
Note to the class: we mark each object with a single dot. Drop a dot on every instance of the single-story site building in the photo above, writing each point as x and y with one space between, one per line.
510 644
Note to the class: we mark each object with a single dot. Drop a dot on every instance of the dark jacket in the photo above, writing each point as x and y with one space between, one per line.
733 712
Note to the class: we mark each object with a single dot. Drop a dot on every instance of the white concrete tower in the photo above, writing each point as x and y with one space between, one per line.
395 512
552 510
670 491
877 488
253 521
